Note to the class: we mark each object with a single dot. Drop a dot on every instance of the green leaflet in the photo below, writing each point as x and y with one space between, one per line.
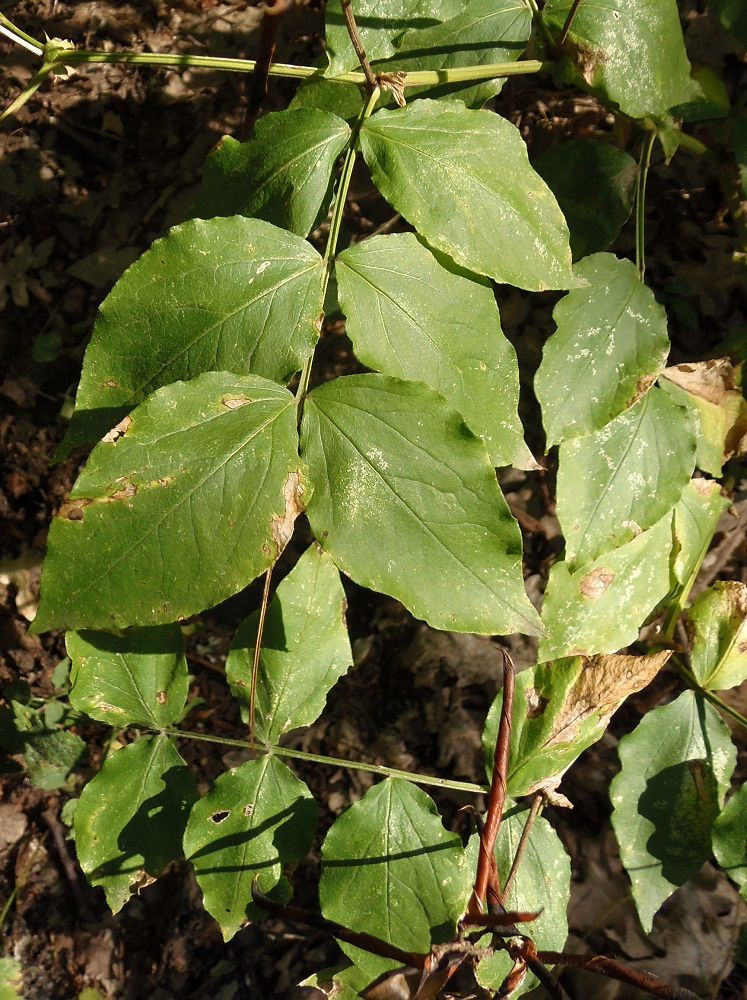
543 882
257 819
560 709
305 649
235 295
130 817
406 502
379 23
416 315
138 678
610 344
283 173
711 395
695 519
621 480
435 162
717 629
205 475
630 51
484 32
594 183
675 773
50 754
11 979
389 868
730 838
599 609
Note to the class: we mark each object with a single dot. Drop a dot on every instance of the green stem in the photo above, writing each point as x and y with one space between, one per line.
353 765
28 92
640 203
540 22
417 78
335 225
15 34
691 681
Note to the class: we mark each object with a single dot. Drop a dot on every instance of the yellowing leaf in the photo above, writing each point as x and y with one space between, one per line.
717 628
710 392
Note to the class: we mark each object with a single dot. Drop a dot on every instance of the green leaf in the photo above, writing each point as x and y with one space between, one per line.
610 344
135 679
675 773
406 502
389 868
379 23
543 882
282 174
621 480
717 629
484 32
416 315
50 754
435 162
710 393
203 477
599 608
130 817
730 838
560 709
630 52
595 187
695 519
11 979
235 295
305 649
256 819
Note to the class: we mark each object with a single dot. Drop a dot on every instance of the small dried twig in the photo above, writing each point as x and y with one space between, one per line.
487 873
273 11
534 812
258 651
355 38
609 967
366 941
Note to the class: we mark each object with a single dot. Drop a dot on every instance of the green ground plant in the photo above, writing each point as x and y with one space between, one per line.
204 458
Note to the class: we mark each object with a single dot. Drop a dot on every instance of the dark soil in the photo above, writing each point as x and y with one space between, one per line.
93 169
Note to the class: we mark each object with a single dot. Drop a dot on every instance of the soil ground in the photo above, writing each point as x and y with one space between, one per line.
93 169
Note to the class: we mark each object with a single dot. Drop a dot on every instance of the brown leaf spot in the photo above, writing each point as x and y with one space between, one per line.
282 527
235 402
111 384
536 704
162 697
643 384
126 491
595 583
117 432
72 510
248 809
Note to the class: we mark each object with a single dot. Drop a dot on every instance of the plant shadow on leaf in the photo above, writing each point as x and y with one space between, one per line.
298 817
682 803
156 639
146 836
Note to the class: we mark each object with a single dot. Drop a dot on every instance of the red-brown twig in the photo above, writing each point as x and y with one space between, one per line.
534 812
365 941
604 967
502 919
487 872
258 651
355 38
273 11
